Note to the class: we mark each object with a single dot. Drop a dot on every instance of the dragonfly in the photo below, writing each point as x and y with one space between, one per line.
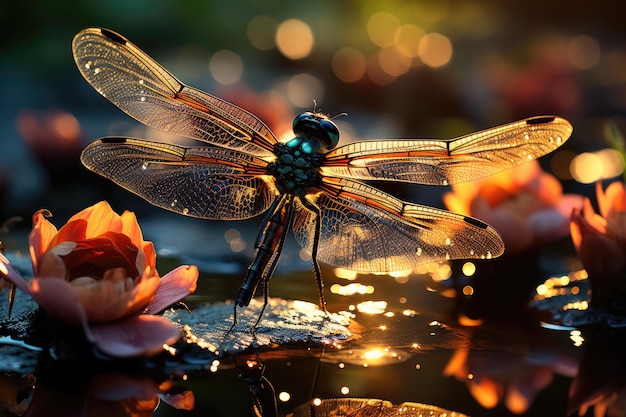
306 183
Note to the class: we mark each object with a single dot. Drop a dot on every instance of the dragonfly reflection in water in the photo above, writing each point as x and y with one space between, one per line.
240 169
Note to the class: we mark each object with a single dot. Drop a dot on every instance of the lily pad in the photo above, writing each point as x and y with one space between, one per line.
283 322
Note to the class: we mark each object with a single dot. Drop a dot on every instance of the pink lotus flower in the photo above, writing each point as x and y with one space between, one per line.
525 204
99 273
600 240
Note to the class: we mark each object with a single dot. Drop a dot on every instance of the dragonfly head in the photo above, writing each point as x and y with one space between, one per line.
317 126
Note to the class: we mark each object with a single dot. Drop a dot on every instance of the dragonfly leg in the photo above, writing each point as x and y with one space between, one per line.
234 323
316 240
265 301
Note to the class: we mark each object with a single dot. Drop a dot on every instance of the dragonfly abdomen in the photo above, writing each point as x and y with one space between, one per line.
268 248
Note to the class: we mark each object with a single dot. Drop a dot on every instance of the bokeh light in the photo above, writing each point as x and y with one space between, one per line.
382 27
234 239
468 268
226 67
294 39
345 273
407 40
376 73
349 64
261 32
435 50
576 337
304 89
589 167
583 52
351 289
372 307
392 62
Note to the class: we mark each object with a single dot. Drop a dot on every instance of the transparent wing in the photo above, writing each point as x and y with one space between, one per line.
348 407
142 88
364 229
206 182
443 162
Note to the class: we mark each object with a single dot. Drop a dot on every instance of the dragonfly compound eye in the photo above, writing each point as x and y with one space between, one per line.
307 115
318 127
332 133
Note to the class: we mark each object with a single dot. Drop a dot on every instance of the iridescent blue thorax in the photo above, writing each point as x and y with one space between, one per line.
297 163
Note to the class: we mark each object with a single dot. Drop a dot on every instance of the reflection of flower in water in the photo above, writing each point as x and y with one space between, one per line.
600 240
98 272
514 375
601 379
107 394
525 204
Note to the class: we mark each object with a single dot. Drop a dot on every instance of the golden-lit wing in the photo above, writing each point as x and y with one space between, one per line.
207 181
364 229
443 162
146 91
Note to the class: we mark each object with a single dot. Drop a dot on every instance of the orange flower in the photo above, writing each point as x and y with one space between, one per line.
600 240
525 204
97 271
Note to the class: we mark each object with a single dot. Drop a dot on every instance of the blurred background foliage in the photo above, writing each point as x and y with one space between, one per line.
423 68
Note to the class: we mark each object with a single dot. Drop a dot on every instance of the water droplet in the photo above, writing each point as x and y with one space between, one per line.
87 64
447 256
173 203
448 241
445 182
418 251
185 210
145 165
143 99
472 252
489 255
97 71
141 82
526 136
